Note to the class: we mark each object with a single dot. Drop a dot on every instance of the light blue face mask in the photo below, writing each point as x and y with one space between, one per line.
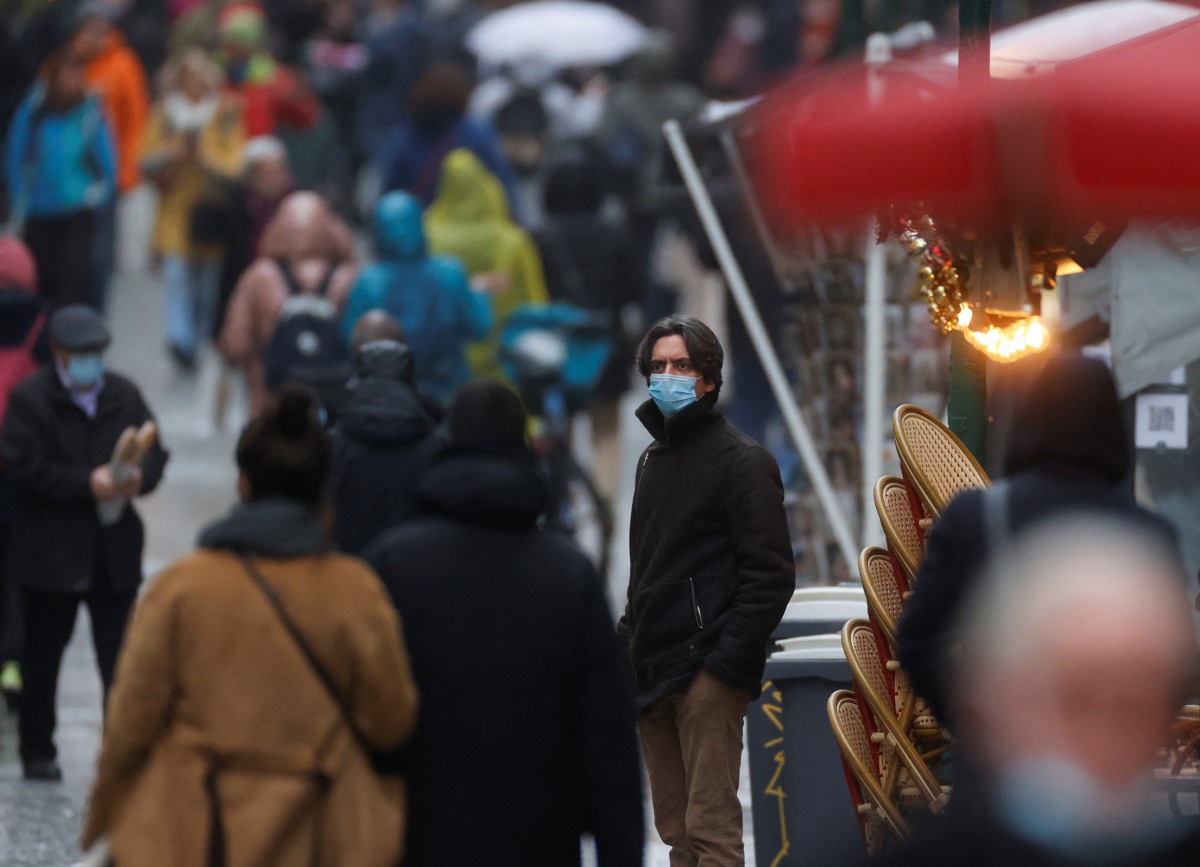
85 370
672 393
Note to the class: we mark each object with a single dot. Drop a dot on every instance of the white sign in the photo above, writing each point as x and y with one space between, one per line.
1162 419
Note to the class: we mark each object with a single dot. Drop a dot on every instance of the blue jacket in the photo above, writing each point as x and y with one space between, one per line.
57 164
428 295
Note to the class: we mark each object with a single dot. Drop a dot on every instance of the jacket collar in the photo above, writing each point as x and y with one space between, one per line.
273 527
700 416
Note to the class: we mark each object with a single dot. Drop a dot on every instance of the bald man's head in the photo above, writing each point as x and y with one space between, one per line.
375 325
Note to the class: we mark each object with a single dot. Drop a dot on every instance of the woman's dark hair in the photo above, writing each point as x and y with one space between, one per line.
439 97
54 99
703 348
285 452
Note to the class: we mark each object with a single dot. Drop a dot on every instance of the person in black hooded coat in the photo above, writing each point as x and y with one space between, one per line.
381 442
526 733
1068 452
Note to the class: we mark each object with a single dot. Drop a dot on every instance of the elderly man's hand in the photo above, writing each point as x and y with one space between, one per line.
104 489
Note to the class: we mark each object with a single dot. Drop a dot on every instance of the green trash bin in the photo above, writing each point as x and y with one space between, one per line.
800 806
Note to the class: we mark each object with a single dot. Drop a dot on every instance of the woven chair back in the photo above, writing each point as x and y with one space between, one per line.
878 816
883 582
934 459
867 669
899 513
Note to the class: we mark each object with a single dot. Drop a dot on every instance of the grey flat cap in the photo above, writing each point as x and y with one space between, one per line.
78 328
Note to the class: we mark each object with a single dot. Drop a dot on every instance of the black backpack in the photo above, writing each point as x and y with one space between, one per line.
306 346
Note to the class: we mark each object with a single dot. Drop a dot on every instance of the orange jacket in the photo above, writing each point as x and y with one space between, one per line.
117 75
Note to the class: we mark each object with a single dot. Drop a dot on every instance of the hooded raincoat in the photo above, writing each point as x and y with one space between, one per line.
470 221
428 295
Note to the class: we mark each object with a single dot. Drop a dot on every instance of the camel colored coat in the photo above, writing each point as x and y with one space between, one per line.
208 669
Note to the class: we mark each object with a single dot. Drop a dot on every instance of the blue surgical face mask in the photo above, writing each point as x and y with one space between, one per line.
85 371
672 393
1052 801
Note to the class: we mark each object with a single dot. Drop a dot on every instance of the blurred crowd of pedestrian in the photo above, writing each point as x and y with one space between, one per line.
350 199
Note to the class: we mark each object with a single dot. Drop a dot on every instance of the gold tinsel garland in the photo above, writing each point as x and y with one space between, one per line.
942 276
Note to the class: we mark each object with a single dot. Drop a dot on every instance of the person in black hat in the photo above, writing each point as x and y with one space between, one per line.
57 443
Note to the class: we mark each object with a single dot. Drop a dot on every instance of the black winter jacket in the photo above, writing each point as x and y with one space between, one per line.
380 446
50 448
711 569
526 735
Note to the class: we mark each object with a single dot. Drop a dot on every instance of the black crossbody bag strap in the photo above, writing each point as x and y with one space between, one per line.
309 656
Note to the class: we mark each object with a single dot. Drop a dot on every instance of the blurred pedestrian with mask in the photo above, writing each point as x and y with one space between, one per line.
223 743
193 151
114 71
306 253
24 347
1075 653
1067 451
58 442
711 573
61 170
436 123
428 295
526 736
381 444
589 263
470 221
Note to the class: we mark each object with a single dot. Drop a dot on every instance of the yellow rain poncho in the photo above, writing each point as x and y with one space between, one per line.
469 220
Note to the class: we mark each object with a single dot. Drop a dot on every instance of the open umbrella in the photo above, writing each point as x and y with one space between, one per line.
558 33
1104 136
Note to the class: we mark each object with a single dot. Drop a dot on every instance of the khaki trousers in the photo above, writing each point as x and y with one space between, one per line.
693 749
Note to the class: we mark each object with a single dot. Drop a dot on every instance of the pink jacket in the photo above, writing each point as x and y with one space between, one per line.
310 237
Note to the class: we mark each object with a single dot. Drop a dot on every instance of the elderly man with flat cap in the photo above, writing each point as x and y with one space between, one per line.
75 535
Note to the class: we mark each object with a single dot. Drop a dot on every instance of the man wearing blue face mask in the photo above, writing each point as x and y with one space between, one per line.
711 574
59 434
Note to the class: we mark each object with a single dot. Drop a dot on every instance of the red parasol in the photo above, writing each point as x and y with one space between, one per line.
1110 135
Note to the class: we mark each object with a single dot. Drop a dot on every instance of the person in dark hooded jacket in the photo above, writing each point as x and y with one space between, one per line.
428 295
381 443
1067 452
526 735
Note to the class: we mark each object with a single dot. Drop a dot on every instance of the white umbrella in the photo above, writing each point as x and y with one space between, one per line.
558 33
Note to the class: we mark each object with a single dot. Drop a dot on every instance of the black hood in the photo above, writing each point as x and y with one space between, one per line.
272 527
18 311
500 488
384 412
1070 419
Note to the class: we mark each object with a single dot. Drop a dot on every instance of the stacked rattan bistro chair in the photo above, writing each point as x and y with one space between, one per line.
895 774
934 460
879 818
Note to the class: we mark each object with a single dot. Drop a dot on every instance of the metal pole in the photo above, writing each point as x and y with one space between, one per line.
874 336
762 342
966 397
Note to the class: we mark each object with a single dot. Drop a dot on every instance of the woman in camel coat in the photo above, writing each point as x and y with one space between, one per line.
221 744
315 244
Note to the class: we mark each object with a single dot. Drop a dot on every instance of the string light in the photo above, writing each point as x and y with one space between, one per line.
942 280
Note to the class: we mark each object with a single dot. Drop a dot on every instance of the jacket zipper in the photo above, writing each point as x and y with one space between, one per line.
696 604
